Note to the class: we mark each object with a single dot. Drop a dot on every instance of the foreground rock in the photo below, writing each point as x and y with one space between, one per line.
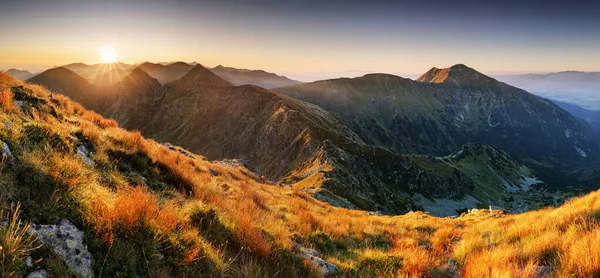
66 241
325 268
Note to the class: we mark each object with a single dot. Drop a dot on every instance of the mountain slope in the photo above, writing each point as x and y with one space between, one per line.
447 108
285 139
592 117
252 77
147 209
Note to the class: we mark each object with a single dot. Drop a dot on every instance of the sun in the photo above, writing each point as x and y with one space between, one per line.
109 55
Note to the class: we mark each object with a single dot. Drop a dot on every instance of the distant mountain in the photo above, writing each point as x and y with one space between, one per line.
252 77
166 73
447 108
101 74
19 74
582 88
591 117
290 141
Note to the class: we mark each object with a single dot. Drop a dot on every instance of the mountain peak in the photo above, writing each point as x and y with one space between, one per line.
200 75
459 75
139 75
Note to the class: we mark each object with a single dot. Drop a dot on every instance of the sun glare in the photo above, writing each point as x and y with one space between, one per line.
109 55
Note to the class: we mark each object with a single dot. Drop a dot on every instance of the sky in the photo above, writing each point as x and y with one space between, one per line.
307 40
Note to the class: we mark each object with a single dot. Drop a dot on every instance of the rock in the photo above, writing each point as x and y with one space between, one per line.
83 153
544 271
325 268
19 103
8 124
29 261
67 242
6 151
453 267
38 274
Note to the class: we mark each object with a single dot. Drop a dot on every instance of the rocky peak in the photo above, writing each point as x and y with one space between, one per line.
457 75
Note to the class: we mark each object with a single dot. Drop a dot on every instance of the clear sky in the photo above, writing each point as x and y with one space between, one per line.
307 38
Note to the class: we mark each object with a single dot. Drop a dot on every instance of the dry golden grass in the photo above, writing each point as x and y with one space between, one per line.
15 243
6 100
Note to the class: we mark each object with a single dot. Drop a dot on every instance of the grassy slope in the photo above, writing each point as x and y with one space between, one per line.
143 199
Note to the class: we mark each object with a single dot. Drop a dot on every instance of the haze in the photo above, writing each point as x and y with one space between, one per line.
306 40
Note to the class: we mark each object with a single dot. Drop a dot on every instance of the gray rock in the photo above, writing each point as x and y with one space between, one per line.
325 268
453 268
29 261
8 124
19 103
6 150
67 242
324 195
83 153
38 274
544 271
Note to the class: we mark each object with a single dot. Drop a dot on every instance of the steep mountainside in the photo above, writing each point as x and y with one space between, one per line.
252 77
19 74
447 108
285 139
592 117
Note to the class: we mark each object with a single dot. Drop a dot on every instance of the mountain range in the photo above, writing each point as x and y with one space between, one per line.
581 88
377 142
446 108
19 74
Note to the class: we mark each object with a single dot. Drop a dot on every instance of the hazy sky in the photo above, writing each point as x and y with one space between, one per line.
307 38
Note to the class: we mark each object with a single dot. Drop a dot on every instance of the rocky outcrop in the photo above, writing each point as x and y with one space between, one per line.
325 268
66 241
84 154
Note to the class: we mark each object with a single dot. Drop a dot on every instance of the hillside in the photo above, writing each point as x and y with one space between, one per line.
285 140
148 209
252 77
447 108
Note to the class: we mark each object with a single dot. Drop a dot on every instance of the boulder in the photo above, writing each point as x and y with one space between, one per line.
6 151
325 268
83 153
38 274
66 241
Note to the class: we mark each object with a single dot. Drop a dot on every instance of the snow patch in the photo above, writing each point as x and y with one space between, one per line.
581 152
568 133
490 121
